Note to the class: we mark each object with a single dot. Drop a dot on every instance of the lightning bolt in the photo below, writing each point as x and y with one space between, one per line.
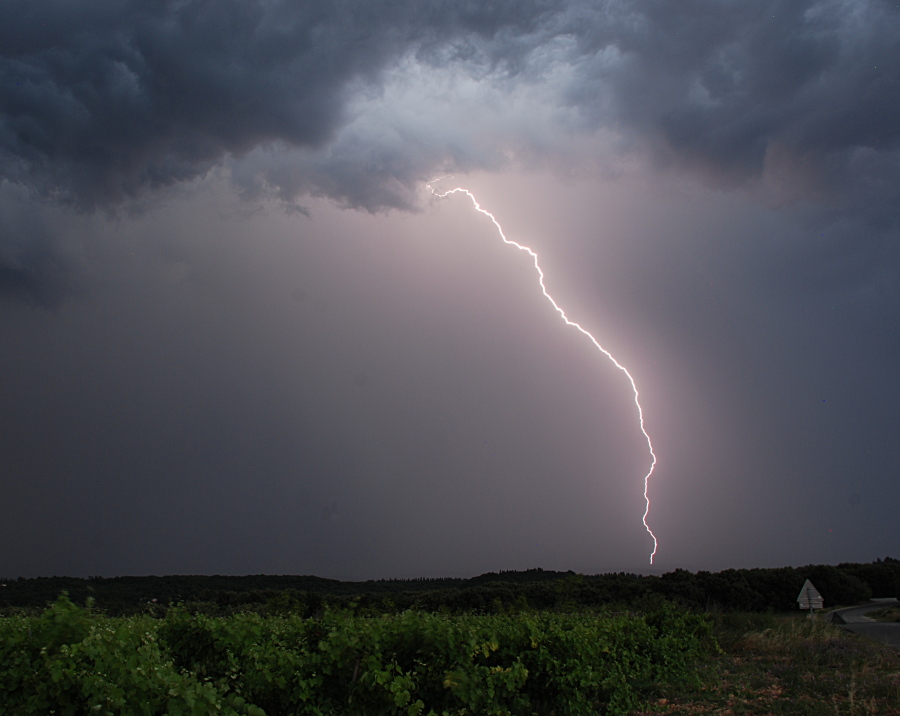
578 327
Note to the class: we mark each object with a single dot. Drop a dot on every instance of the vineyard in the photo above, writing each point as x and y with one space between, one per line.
70 660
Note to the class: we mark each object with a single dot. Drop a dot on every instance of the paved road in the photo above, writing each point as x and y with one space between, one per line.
856 621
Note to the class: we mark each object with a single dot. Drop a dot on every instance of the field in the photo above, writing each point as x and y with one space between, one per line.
70 661
889 615
791 666
74 660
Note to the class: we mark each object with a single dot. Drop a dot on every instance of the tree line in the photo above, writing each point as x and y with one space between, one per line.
746 590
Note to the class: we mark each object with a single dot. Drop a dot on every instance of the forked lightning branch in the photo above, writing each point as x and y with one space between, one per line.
578 327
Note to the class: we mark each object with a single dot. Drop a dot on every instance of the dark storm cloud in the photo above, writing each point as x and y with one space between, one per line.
103 100
806 91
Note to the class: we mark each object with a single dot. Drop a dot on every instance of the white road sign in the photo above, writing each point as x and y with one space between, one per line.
809 597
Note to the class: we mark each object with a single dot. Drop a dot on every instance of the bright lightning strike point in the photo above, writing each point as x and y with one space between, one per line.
578 327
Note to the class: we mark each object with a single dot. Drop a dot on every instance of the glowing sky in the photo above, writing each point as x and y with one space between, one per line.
239 335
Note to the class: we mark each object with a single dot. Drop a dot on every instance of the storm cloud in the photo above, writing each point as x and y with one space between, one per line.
242 336
102 101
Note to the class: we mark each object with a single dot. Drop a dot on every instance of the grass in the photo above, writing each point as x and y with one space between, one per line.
790 666
888 614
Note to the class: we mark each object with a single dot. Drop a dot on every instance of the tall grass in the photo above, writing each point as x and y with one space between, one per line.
790 666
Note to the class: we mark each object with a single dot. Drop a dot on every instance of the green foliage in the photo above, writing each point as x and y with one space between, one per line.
70 661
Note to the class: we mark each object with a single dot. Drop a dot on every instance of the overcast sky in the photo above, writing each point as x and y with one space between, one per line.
239 335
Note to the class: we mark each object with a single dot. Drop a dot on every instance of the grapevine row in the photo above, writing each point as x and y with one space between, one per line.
71 661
